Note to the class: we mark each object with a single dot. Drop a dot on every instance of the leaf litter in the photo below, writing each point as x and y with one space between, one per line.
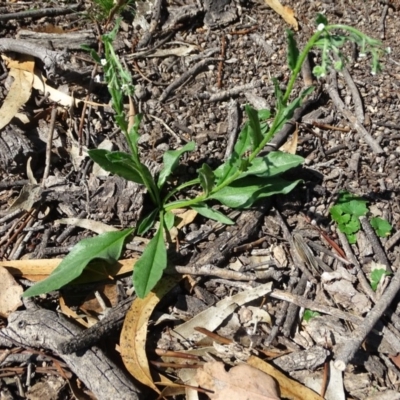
348 295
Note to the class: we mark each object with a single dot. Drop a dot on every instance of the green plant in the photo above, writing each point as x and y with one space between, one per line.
376 276
238 183
106 9
309 314
381 226
347 211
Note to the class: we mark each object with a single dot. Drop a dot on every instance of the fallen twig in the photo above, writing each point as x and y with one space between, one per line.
47 329
376 244
189 74
348 349
51 59
332 90
42 12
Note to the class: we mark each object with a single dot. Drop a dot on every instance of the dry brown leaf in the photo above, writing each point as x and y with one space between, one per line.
134 333
242 382
69 312
37 270
28 196
108 292
285 12
290 389
290 146
10 293
24 63
186 218
19 93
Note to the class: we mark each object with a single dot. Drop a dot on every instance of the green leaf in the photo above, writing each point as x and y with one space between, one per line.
206 178
92 52
171 159
133 135
242 193
278 95
210 213
169 220
381 226
336 213
293 51
273 164
319 71
124 170
352 238
147 222
264 114
350 226
376 276
150 266
255 129
296 103
309 314
233 163
321 19
288 111
357 208
107 246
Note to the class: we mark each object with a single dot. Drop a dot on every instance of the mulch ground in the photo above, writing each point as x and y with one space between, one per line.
225 63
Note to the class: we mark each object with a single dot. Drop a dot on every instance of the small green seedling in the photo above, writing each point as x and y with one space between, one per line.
381 226
346 213
309 314
376 276
243 179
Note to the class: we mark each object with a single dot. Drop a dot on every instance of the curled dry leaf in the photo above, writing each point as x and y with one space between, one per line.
134 333
10 293
285 12
19 93
37 270
242 382
290 146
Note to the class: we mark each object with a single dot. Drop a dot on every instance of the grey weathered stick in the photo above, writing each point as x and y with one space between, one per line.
348 349
50 58
42 328
43 12
376 244
189 74
333 93
360 273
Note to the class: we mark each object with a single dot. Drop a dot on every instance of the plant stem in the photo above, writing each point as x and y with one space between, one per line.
276 123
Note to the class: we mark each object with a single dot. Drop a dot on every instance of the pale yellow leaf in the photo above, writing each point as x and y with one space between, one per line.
37 270
17 96
285 12
134 333
186 218
10 293
24 63
291 144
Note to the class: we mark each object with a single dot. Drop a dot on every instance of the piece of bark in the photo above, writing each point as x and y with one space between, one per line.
51 59
219 13
46 329
109 324
59 41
